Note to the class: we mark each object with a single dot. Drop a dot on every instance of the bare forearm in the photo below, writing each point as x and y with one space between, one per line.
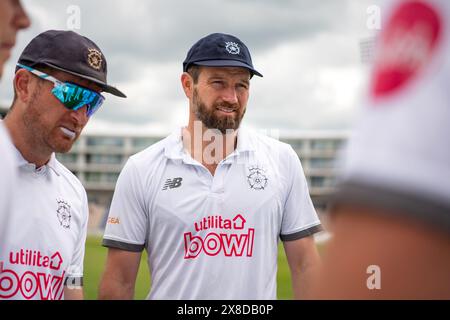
73 293
412 258
303 280
120 274
114 289
304 262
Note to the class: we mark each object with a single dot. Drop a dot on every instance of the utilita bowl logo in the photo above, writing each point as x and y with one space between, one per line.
234 241
407 44
43 285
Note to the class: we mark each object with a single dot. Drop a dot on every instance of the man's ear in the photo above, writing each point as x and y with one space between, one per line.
188 84
23 85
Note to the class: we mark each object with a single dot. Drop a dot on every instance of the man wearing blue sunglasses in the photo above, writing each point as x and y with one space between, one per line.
58 83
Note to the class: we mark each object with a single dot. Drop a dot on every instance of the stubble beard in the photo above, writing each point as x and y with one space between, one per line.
40 136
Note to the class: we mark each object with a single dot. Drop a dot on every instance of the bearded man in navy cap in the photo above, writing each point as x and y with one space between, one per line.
210 202
57 86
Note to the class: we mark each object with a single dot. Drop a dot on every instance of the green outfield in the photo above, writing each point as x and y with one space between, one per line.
95 260
94 263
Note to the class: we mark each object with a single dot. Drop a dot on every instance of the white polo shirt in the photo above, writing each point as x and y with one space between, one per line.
399 155
7 179
211 237
48 224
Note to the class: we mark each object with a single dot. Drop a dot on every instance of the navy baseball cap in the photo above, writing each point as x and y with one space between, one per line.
220 50
69 52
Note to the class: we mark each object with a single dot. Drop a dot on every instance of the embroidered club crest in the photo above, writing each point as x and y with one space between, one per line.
232 47
63 213
95 59
257 180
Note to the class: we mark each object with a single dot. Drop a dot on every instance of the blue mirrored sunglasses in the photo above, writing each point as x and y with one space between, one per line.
72 96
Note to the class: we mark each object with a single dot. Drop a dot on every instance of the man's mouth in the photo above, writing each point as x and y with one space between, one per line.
68 133
225 109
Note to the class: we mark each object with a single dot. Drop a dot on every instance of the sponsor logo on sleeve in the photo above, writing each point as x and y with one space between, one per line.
113 220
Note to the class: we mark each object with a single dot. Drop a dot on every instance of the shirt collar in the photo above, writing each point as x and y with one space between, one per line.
174 149
23 163
244 141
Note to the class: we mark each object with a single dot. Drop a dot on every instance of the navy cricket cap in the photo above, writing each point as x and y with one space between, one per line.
220 50
69 52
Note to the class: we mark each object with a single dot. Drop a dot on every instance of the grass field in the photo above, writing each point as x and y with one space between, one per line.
94 263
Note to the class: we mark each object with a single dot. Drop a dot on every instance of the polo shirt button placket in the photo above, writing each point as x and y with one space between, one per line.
217 183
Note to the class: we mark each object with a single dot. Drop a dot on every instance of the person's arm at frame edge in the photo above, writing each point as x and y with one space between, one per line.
71 293
411 257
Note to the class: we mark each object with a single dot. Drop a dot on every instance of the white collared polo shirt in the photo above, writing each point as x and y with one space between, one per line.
211 237
44 249
7 178
399 155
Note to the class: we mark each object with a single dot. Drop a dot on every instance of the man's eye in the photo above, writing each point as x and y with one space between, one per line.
218 83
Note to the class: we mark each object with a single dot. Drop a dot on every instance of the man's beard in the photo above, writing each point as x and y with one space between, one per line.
210 118
39 133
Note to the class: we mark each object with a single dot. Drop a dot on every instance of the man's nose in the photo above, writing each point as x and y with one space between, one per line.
21 19
230 95
80 115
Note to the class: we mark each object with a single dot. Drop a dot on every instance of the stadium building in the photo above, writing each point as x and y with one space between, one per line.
97 159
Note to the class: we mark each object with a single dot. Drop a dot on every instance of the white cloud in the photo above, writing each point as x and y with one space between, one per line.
307 50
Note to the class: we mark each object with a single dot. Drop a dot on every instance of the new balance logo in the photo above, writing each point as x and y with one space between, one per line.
172 183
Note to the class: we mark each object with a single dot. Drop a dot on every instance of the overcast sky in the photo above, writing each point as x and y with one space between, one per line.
307 50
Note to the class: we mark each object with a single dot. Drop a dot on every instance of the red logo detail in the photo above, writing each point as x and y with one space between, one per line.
406 45
231 244
214 243
30 285
36 259
56 261
239 222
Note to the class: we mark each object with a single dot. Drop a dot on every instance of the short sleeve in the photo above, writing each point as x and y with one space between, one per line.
126 226
299 217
